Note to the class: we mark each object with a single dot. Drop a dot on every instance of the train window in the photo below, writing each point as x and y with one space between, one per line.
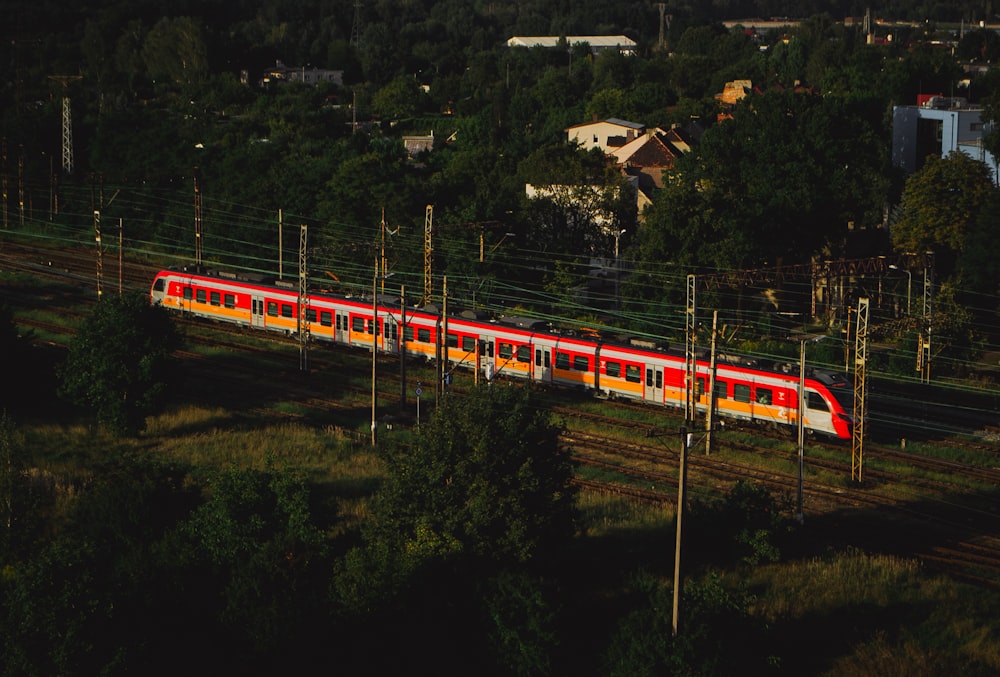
468 344
741 392
272 308
562 360
424 335
659 379
699 387
357 324
286 310
538 357
200 296
613 369
548 359
394 334
215 298
158 285
187 293
524 353
408 331
506 351
633 374
649 378
721 390
764 395
486 348
310 315
815 401
326 318
581 363
452 340
230 300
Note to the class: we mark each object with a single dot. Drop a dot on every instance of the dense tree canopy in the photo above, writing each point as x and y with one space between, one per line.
940 205
117 363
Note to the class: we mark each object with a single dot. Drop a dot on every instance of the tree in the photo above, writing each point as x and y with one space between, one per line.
257 538
459 534
176 49
940 204
486 477
118 362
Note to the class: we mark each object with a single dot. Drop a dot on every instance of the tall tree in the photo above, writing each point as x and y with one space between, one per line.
940 204
118 361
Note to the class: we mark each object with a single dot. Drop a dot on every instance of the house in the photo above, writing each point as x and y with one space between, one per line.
605 134
938 125
649 155
415 145
313 76
597 43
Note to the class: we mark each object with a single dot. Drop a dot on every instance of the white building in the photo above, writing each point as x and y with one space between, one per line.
937 127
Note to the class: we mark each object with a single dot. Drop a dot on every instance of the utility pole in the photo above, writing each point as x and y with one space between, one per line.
402 349
802 422
860 389
374 352
3 172
67 122
303 302
924 347
121 250
100 253
428 250
681 486
710 413
197 219
281 247
690 363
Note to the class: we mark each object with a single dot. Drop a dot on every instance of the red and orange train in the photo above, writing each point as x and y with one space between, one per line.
515 347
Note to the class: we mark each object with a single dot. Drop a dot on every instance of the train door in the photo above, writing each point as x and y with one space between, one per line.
543 362
257 310
487 351
341 333
654 384
391 328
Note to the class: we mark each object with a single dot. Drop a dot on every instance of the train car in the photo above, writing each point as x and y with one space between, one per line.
516 347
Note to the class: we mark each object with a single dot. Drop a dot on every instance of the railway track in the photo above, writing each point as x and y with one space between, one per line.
641 469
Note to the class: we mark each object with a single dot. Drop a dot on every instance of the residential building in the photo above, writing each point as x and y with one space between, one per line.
605 134
597 43
280 73
938 125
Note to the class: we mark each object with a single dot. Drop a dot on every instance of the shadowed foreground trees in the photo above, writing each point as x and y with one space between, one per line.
117 363
456 554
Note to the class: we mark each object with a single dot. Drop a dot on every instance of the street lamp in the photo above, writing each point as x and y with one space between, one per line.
909 281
